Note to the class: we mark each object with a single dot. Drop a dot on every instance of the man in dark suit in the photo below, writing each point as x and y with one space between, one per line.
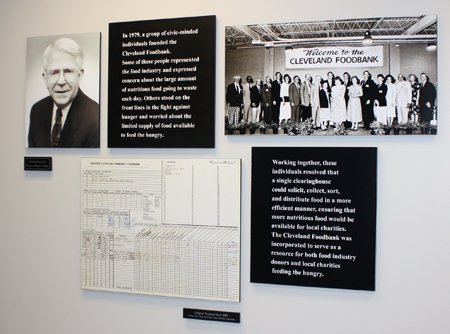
235 102
427 98
276 97
369 90
246 89
66 118
267 100
295 99
347 84
256 101
306 97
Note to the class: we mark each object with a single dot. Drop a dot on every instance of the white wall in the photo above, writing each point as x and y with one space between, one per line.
40 211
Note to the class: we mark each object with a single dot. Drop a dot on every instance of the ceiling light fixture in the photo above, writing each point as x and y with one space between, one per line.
431 46
367 38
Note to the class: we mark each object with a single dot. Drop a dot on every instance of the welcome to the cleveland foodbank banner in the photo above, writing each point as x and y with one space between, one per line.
332 56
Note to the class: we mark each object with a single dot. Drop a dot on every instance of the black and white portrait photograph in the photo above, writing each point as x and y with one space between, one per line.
372 76
62 91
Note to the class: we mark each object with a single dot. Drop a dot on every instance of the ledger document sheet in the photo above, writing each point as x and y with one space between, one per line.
161 227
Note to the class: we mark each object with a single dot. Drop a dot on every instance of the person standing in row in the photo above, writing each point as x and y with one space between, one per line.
315 89
415 86
324 103
391 98
380 100
347 84
267 100
285 107
354 113
338 109
234 100
330 80
369 89
306 97
256 101
294 99
276 98
246 88
427 98
403 99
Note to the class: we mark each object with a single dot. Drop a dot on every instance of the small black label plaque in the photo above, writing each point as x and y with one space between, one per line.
191 313
38 163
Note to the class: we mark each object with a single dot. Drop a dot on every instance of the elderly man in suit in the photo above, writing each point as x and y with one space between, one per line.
234 100
66 118
427 98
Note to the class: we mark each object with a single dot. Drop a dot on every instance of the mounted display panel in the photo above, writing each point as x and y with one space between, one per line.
63 91
161 227
374 76
314 216
162 78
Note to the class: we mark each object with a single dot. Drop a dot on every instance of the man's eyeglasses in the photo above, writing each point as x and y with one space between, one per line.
69 74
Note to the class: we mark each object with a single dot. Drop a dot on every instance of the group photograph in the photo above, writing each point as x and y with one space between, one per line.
375 76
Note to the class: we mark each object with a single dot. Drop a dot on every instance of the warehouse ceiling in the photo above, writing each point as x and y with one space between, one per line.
397 30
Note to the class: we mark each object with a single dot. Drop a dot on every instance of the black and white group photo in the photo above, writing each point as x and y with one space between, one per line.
373 76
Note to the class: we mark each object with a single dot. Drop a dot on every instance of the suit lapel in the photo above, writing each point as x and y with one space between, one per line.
72 123
45 125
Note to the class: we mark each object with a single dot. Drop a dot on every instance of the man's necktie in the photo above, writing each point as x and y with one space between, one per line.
57 127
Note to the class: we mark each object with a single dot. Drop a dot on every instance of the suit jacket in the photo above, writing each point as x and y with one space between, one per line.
246 94
369 89
294 94
276 89
267 95
315 89
81 128
427 93
233 97
256 96
381 95
306 94
347 86
330 85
